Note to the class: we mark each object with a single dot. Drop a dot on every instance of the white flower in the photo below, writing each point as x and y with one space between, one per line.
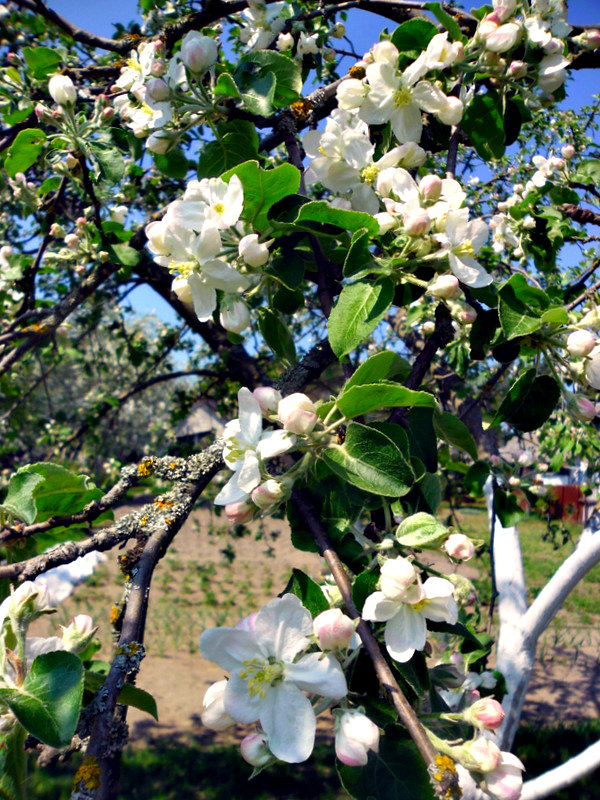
592 368
62 90
580 343
355 735
234 315
262 24
350 94
245 444
213 711
441 53
307 44
506 780
268 678
405 605
254 253
552 72
462 240
285 41
398 97
212 199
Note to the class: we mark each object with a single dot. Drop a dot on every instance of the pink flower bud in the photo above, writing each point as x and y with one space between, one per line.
255 749
158 68
355 735
428 327
482 755
268 494
556 162
583 408
590 39
296 413
79 633
495 461
444 287
42 112
592 368
416 222
554 46
238 513
468 315
56 229
580 343
214 715
430 188
567 151
72 241
333 629
268 399
487 26
81 222
397 576
503 38
80 269
459 547
157 89
526 458
485 713
505 781
517 69
71 161
198 52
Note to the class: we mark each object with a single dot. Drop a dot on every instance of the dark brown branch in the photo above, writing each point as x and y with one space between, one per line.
576 288
384 674
582 215
308 369
584 296
76 33
467 407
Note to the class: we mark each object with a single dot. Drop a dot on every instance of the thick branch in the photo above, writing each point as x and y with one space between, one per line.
565 775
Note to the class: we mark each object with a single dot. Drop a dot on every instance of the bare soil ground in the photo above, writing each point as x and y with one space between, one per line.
198 585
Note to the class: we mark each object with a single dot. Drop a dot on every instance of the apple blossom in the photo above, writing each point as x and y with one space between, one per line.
461 240
269 675
526 458
296 413
504 38
160 142
234 315
213 712
580 343
268 399
268 494
181 288
285 41
430 188
198 52
245 443
459 547
255 750
240 512
62 90
567 151
262 24
505 781
351 93
480 755
583 408
355 735
404 604
307 44
78 634
333 629
485 713
24 604
552 72
157 89
592 368
444 287
254 253
416 222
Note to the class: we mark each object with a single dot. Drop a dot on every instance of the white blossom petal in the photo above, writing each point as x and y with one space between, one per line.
405 633
284 623
318 674
229 647
378 608
250 416
288 719
274 443
469 271
205 298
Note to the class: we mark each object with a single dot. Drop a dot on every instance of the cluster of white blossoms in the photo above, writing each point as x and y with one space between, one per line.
144 91
193 240
248 446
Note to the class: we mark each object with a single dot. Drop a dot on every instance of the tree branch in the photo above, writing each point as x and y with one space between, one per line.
565 775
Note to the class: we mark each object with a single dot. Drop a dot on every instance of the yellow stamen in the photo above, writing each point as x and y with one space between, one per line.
464 249
369 173
403 97
219 208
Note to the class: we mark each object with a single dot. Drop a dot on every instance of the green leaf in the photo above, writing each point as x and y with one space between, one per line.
475 478
287 266
263 188
483 122
588 171
45 490
446 20
422 438
381 366
111 163
555 315
397 772
430 487
520 307
529 402
364 585
237 142
308 591
19 115
507 508
321 211
42 61
47 704
371 461
267 80
359 400
125 255
277 334
226 86
174 163
359 256
414 34
421 530
449 428
358 310
128 696
24 151
19 499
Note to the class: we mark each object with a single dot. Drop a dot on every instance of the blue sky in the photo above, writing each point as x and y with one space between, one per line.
363 29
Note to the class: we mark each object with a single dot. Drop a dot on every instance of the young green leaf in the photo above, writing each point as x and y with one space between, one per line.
24 151
308 591
421 530
358 310
449 428
359 400
263 188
